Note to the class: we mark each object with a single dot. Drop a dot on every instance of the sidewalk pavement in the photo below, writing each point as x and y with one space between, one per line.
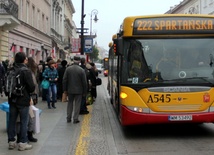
92 136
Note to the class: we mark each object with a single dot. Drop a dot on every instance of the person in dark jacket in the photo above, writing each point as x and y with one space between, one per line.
32 65
84 109
44 66
92 76
75 85
61 71
19 105
2 75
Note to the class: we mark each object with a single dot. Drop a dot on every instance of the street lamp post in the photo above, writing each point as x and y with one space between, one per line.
93 12
82 29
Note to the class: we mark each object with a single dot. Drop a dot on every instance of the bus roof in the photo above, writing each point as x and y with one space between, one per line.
167 24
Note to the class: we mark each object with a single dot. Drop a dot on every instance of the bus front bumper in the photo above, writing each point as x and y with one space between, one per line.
129 117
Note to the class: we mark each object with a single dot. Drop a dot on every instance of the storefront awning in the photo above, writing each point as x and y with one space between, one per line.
47 48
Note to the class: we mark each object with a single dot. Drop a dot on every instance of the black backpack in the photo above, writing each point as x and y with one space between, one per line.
13 86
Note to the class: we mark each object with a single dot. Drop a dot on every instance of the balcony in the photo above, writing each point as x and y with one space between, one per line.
8 14
56 36
69 27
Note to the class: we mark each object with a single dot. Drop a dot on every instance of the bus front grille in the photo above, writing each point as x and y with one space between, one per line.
177 107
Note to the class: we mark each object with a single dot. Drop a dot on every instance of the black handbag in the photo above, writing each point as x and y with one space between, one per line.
98 81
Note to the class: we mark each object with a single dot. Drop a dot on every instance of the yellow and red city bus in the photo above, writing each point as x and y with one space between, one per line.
105 66
112 86
161 69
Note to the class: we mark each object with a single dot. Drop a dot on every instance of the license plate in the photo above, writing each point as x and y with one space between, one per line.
180 118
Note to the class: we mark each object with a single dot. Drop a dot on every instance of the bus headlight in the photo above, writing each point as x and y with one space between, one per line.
139 109
123 95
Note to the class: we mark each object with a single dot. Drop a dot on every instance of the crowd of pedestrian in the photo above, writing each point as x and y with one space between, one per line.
76 80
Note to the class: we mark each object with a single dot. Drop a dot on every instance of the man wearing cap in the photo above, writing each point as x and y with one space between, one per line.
75 85
51 74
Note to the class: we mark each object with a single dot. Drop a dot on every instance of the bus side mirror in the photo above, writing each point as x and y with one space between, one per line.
118 46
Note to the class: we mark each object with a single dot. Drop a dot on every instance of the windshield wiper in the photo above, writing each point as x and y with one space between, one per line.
193 78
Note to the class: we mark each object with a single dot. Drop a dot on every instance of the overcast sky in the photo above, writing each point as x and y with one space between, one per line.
112 12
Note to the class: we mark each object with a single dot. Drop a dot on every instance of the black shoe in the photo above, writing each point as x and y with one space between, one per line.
76 121
49 107
53 105
84 112
30 137
68 121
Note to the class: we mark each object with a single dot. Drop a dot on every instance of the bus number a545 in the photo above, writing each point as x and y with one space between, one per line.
164 98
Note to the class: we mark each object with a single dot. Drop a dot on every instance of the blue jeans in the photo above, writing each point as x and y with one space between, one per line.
52 92
23 113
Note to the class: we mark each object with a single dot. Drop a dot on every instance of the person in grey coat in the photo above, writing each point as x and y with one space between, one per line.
75 85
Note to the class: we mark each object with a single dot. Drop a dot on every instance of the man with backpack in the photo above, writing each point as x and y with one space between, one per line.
19 100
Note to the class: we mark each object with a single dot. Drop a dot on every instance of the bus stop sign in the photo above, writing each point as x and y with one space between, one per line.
88 45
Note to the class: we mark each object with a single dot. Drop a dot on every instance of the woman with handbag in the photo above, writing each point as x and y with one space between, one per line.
31 64
51 74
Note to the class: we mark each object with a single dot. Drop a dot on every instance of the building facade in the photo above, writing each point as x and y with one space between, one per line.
32 36
193 7
61 28
69 29
40 28
207 7
8 21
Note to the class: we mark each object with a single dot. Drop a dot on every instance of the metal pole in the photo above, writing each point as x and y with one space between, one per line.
82 29
91 24
93 12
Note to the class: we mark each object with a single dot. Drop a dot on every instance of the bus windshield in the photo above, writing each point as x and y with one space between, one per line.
167 60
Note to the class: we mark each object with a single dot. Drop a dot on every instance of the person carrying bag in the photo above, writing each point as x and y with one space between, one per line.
45 84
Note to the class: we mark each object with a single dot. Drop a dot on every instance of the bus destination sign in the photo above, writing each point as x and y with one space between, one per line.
175 25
